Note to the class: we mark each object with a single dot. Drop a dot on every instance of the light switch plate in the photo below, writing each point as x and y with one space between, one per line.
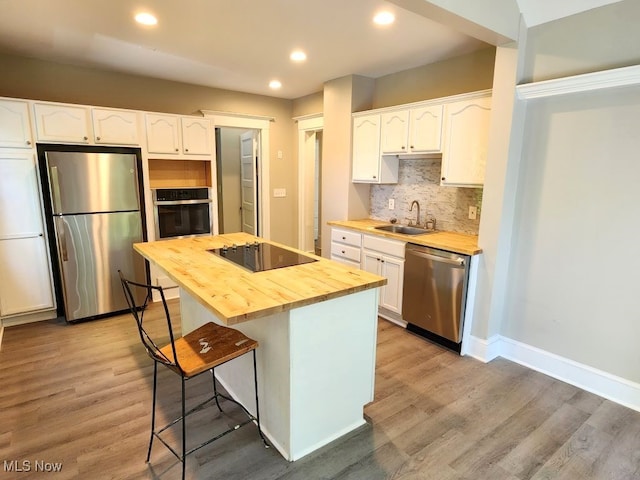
392 204
279 192
473 213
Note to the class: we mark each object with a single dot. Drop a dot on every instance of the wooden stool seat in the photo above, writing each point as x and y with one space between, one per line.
207 347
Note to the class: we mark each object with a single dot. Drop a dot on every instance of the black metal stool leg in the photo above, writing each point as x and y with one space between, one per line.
153 408
255 384
215 388
184 432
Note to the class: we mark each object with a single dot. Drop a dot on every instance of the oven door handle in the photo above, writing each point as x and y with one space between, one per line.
182 202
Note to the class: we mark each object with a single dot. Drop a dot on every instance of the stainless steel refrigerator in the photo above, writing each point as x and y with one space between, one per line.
96 218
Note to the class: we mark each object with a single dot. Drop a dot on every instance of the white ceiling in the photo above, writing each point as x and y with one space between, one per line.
243 44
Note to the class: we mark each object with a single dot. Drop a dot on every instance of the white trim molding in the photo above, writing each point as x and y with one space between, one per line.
587 82
255 122
604 384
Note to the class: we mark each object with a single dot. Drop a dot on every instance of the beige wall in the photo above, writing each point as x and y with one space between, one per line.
598 39
308 105
466 73
40 80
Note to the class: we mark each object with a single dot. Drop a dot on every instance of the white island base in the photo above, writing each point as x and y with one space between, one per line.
316 368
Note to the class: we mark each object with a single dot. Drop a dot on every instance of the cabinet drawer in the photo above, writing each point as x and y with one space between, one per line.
346 236
345 251
384 245
346 261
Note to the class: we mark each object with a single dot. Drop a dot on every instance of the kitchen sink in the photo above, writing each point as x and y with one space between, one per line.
404 229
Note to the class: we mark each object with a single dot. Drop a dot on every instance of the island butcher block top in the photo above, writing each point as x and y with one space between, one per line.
235 294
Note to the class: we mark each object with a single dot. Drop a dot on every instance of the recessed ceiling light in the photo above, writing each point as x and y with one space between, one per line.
146 18
384 18
298 56
275 84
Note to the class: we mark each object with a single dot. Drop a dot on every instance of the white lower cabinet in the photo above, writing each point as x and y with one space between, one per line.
25 283
385 257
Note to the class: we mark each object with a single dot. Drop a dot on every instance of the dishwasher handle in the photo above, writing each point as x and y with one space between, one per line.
458 261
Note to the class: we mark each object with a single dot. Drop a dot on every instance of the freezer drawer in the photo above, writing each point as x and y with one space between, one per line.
91 249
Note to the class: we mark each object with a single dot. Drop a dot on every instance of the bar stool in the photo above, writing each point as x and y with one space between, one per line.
202 350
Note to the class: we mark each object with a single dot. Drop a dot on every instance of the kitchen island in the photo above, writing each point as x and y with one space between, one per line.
316 324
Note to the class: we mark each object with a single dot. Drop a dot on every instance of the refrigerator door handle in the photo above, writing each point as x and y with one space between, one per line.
55 188
62 240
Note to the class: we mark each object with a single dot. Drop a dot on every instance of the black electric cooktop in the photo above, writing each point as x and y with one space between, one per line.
258 257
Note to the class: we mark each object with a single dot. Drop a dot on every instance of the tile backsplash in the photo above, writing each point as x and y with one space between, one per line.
419 179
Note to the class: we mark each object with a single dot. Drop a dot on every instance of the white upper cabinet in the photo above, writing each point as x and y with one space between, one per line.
175 135
425 129
394 132
368 165
15 127
62 123
366 148
411 130
196 136
163 134
115 127
466 137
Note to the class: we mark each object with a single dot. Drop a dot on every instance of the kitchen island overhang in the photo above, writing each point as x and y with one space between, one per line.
316 324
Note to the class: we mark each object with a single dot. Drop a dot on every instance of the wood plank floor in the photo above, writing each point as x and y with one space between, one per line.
80 395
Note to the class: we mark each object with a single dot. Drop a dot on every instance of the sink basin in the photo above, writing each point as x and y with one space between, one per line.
403 229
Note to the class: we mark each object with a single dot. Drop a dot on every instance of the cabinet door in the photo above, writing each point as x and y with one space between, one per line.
464 153
425 132
196 136
391 294
62 123
366 149
163 135
15 128
20 212
371 262
115 127
25 283
394 132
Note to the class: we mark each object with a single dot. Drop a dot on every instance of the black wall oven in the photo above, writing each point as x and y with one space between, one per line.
182 212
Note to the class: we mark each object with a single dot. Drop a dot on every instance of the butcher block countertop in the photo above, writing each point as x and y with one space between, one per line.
450 241
236 295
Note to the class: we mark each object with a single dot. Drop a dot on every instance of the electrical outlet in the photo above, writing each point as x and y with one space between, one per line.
473 213
392 204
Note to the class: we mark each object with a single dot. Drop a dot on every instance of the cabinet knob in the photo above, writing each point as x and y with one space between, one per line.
28 142
443 179
403 147
85 138
344 238
176 149
375 176
411 147
342 251
186 149
98 139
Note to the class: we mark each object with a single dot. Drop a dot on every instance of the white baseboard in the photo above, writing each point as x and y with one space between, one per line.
606 385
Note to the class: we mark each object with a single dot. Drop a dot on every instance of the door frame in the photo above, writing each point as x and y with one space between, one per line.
250 122
306 124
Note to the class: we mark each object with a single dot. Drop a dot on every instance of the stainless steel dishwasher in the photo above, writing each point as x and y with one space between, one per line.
434 294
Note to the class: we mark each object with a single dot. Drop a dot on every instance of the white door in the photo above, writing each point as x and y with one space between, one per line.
248 160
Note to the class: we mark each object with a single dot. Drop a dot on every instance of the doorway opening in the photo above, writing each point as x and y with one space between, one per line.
237 165
309 186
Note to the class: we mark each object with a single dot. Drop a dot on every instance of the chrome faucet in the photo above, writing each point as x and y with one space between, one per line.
415 202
